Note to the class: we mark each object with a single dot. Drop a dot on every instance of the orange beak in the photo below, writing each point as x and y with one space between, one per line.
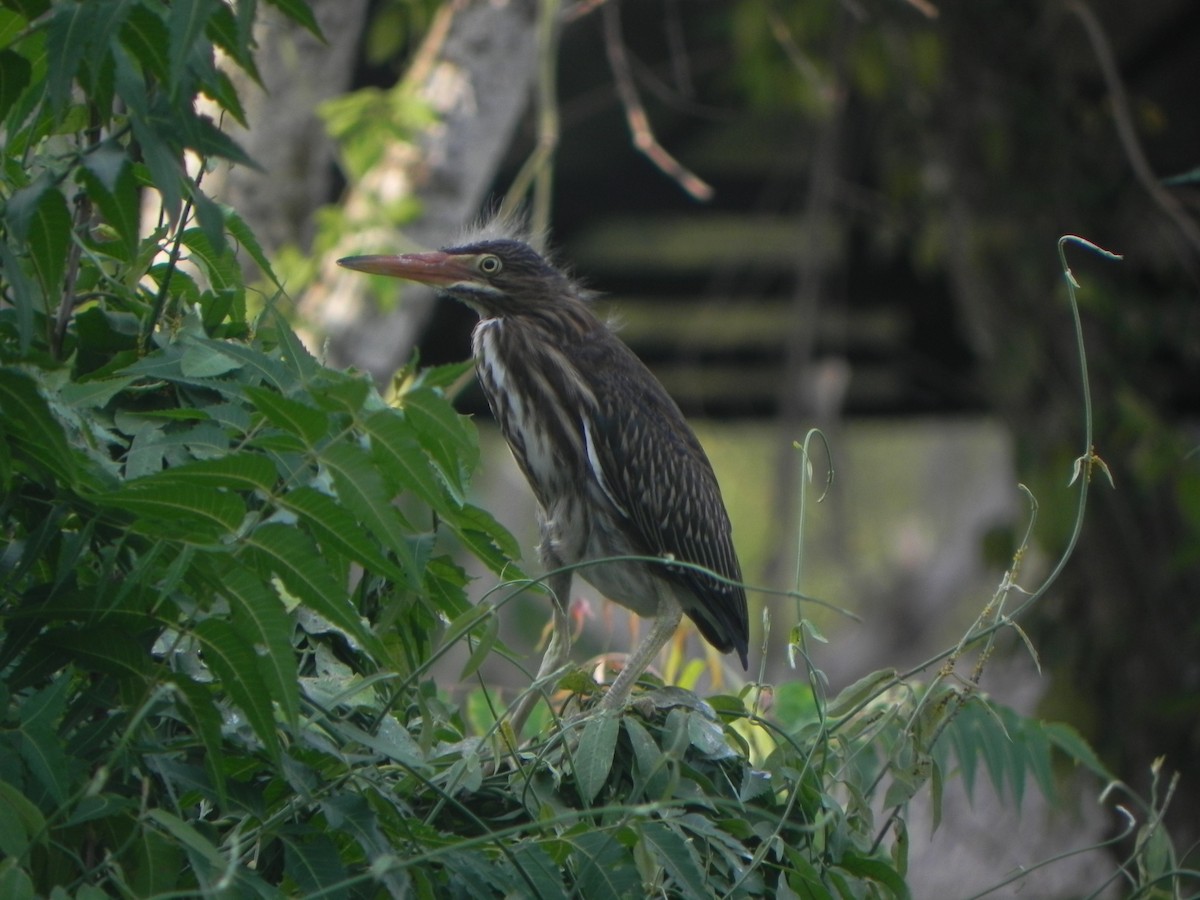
435 268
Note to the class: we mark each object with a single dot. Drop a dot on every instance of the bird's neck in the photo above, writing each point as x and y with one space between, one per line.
527 369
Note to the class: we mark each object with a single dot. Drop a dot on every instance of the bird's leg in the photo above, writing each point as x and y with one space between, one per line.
666 620
557 651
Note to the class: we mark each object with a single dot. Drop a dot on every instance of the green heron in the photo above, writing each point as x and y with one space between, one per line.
615 468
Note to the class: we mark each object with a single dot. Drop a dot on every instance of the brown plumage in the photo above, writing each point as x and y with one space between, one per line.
616 469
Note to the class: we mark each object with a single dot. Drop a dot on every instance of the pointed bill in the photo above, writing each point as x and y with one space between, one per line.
435 268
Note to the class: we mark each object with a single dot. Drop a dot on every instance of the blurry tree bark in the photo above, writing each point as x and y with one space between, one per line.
475 70
285 137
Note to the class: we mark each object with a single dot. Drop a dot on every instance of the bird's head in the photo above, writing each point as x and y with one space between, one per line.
494 277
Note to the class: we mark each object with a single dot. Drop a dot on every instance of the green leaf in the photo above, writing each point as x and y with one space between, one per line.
203 854
145 36
445 375
182 505
93 394
392 741
241 471
15 883
876 870
235 664
44 756
1067 739
36 431
49 236
445 435
340 391
335 528
201 712
309 424
21 822
68 34
313 863
108 177
231 34
247 241
594 757
299 12
676 856
25 297
269 370
291 555
855 695
211 217
490 541
200 134
401 457
214 257
542 875
206 361
186 21
605 870
103 650
260 617
482 649
14 78
361 489
648 758
350 814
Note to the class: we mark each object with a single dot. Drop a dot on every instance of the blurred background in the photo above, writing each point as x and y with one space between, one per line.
839 214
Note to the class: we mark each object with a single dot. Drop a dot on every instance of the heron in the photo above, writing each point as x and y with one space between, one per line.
626 495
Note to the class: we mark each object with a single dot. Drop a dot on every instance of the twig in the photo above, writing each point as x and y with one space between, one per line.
635 113
537 173
924 7
1126 133
83 214
581 9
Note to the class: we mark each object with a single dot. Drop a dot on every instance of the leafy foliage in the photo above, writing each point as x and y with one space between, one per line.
227 570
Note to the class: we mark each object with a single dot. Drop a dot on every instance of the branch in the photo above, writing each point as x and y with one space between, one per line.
635 113
1126 133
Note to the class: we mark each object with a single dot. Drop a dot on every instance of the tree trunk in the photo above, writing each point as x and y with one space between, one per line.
475 69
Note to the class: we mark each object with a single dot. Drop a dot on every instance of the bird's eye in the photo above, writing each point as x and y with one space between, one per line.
490 265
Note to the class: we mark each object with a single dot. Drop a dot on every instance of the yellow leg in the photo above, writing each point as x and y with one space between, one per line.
665 623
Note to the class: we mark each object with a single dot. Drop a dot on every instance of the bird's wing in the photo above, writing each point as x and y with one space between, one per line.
650 464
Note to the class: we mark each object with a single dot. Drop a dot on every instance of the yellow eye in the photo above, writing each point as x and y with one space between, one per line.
489 265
